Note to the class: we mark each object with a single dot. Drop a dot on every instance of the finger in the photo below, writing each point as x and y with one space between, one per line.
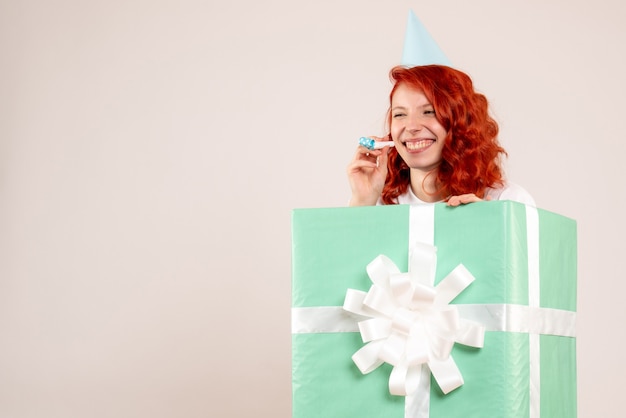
469 198
360 165
463 199
363 152
371 156
383 159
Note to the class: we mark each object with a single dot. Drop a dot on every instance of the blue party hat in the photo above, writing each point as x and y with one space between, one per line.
419 47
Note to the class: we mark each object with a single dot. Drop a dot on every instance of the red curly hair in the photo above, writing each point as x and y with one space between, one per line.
471 151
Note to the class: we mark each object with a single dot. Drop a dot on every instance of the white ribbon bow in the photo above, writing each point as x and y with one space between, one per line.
411 322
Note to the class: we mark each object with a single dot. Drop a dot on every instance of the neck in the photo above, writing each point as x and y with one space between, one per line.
423 185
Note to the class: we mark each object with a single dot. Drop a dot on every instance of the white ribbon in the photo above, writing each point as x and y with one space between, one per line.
411 323
496 317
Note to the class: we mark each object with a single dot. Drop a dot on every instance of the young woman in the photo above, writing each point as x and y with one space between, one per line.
446 146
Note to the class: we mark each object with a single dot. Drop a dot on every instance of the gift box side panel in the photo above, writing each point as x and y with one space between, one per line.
558 261
496 380
558 377
332 247
326 383
489 238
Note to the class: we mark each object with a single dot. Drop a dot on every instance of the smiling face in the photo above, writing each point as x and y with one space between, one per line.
415 130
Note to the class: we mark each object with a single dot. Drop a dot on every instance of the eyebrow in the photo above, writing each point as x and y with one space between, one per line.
404 108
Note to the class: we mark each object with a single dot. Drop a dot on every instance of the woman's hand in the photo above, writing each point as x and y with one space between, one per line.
464 199
367 173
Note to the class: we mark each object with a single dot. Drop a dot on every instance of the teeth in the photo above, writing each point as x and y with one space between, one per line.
412 146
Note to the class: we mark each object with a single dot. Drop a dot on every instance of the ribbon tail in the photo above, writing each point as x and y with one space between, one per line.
417 405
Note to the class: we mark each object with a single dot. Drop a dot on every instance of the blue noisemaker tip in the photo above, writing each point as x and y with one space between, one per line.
367 142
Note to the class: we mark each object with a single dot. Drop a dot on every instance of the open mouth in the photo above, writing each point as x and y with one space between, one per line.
418 145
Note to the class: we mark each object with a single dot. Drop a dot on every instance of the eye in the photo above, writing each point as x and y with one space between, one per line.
398 115
429 112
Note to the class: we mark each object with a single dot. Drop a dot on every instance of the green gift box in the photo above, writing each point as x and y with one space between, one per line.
524 263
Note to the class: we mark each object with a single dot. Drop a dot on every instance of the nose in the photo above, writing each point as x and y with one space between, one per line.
414 123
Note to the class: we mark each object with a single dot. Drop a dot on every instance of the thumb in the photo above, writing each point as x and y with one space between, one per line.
384 158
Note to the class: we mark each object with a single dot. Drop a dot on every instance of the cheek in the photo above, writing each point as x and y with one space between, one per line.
442 130
394 130
438 130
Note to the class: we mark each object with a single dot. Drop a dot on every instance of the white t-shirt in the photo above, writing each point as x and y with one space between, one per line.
510 191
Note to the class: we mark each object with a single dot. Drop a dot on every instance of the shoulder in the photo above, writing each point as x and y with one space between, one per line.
511 191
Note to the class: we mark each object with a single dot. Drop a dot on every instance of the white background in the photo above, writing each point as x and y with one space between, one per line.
151 153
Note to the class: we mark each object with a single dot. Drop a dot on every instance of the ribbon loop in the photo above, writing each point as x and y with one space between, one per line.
423 295
380 301
423 263
471 334
374 329
447 374
453 284
353 302
403 380
367 358
379 270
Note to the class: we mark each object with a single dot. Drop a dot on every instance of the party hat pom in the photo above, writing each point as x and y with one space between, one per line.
419 47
